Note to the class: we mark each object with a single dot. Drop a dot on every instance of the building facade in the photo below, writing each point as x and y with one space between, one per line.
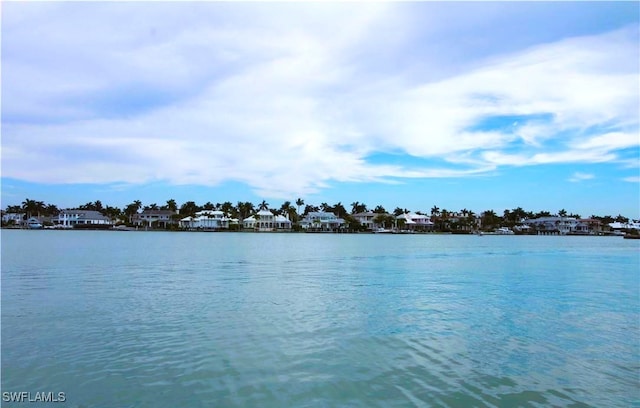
366 220
265 220
414 222
74 218
563 226
207 220
322 221
154 218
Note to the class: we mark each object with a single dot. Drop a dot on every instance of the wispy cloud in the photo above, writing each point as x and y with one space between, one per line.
577 177
632 179
277 98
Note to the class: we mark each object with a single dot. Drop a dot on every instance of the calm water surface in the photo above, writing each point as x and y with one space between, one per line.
143 319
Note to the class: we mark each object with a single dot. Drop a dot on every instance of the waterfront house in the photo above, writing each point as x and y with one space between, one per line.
593 226
366 220
13 218
206 219
563 226
415 222
265 220
73 218
154 218
620 228
322 221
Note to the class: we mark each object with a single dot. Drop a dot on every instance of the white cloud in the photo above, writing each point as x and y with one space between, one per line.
632 179
279 100
577 177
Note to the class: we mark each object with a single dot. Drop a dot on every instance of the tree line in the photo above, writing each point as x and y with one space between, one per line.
443 219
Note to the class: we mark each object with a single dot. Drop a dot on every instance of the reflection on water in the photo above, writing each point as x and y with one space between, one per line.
187 319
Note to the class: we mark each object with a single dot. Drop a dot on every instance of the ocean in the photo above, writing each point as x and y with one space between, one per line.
161 319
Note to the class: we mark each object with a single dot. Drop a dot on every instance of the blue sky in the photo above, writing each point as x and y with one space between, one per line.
483 105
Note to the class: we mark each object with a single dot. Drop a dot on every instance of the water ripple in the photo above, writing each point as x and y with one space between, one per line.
277 320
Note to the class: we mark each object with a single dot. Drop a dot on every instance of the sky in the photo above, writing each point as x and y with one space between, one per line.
476 105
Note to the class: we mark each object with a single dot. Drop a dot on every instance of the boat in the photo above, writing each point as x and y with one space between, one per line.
382 231
504 231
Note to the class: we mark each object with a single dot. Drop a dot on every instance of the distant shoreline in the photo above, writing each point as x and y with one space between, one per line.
138 230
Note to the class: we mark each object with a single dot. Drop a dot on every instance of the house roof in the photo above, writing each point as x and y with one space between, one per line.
85 214
320 214
157 212
211 212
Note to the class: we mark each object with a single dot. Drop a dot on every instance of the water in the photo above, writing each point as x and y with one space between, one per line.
137 319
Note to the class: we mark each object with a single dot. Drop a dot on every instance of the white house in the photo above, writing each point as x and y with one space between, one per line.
207 219
149 218
619 228
13 218
265 220
322 221
413 221
71 218
558 225
366 219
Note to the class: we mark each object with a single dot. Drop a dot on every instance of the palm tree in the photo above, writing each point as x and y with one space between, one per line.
299 203
384 219
379 210
112 212
14 209
263 205
518 214
228 209
245 209
310 208
435 212
30 207
288 211
444 219
622 219
132 209
471 219
562 213
189 209
171 205
284 208
489 219
51 210
357 207
339 210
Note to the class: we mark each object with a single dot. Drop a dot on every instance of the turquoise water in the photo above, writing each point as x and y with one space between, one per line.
144 319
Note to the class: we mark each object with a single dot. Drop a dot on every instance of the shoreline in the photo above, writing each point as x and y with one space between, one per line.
481 234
